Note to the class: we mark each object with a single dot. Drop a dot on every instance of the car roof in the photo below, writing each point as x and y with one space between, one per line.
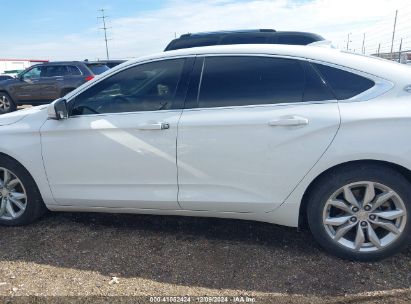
367 64
220 38
61 62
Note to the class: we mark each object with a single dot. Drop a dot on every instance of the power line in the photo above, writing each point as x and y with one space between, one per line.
103 17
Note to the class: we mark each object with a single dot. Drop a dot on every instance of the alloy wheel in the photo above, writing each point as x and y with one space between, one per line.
5 104
364 216
13 197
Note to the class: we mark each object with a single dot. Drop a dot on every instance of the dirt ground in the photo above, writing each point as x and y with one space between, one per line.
69 254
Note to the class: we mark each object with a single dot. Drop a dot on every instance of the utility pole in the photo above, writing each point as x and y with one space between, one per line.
363 44
393 33
348 40
399 52
103 17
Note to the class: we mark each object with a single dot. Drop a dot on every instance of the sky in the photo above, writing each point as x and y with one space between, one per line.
71 30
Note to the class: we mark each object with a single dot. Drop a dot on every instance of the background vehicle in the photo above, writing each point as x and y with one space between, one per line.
261 36
111 63
275 133
45 82
5 77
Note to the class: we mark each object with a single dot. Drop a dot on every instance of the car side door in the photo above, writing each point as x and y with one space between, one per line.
118 147
252 128
51 79
28 87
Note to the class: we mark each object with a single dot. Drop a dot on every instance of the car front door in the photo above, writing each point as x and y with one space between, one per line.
118 147
252 131
29 87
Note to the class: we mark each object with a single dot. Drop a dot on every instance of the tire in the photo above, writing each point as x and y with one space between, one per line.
7 104
23 189
371 237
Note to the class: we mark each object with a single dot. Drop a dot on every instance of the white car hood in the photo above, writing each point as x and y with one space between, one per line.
13 117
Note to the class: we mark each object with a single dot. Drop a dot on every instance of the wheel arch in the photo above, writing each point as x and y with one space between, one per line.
302 216
7 156
13 98
39 179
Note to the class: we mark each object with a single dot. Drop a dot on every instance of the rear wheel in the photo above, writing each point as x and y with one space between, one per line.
7 104
20 199
361 212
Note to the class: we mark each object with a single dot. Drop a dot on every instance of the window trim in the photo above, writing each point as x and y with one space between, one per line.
182 85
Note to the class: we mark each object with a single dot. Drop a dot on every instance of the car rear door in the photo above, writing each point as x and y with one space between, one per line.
253 127
52 79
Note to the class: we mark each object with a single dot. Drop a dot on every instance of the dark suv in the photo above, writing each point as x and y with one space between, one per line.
45 82
262 36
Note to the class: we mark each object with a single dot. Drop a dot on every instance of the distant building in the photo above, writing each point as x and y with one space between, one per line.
13 66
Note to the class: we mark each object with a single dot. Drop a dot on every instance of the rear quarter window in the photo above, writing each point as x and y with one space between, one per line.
344 84
98 69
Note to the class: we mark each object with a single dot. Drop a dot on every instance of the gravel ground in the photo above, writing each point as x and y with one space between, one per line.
69 254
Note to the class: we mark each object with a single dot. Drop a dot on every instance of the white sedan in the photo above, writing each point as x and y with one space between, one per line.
291 135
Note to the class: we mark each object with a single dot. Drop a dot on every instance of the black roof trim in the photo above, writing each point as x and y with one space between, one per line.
227 32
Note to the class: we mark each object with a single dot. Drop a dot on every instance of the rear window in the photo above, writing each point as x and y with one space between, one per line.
98 68
245 39
192 42
344 84
295 40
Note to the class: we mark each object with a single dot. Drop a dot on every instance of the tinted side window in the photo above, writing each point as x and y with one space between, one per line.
238 81
315 88
344 84
73 70
147 87
54 71
33 73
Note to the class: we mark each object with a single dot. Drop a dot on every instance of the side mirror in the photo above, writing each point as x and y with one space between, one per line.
58 109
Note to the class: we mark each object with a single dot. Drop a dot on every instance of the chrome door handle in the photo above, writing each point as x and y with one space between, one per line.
153 126
289 121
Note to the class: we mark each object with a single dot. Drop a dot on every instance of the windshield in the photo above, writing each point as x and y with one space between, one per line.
98 68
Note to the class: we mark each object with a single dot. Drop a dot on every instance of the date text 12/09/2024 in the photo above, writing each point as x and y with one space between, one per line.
203 299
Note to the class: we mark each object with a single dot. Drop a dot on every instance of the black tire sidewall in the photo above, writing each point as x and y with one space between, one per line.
329 183
35 206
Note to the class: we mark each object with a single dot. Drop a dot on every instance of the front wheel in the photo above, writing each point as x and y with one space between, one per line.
361 212
20 199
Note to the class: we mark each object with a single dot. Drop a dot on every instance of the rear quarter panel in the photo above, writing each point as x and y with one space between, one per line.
378 129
